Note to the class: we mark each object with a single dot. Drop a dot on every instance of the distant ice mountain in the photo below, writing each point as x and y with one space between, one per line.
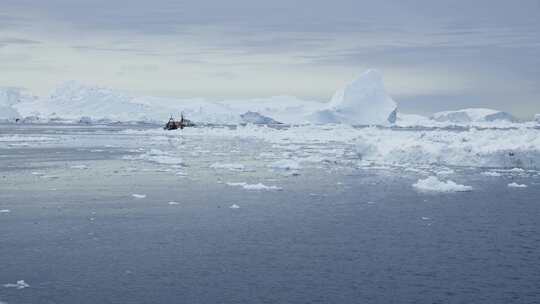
466 116
364 101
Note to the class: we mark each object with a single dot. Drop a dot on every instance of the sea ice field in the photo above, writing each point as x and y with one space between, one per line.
257 214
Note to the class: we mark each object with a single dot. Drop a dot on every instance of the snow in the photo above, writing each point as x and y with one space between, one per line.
138 196
516 185
21 284
362 102
433 184
258 186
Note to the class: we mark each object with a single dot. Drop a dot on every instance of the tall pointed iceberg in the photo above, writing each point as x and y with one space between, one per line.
362 102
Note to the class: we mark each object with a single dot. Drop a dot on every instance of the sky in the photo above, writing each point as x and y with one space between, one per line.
434 55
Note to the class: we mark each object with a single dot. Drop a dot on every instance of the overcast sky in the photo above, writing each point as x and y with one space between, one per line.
434 55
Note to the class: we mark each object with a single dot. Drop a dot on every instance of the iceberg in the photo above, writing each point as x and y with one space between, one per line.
364 101
472 115
257 119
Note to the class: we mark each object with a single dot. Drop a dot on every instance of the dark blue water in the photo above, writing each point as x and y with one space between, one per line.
341 236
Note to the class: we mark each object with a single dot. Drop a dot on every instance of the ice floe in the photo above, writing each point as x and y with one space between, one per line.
232 167
80 167
258 186
139 196
516 185
21 284
234 206
433 184
5 211
173 203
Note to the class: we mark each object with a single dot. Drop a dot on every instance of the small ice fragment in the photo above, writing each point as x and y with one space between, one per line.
234 206
173 203
21 284
231 167
5 211
516 185
433 184
491 173
258 186
371 203
138 196
425 218
38 173
81 167
180 173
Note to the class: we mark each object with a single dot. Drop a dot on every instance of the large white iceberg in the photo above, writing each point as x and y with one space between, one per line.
364 101
473 115
9 98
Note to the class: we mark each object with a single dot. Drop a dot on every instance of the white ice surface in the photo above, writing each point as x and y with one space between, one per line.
433 184
258 186
516 185
21 284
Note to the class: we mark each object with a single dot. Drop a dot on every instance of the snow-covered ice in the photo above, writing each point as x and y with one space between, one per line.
432 183
516 185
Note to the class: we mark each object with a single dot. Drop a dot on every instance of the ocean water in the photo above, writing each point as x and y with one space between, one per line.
335 232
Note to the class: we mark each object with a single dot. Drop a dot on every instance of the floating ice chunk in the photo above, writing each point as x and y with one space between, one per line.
285 164
425 218
231 167
234 206
258 186
173 203
432 183
81 167
21 284
516 185
491 173
5 211
138 196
